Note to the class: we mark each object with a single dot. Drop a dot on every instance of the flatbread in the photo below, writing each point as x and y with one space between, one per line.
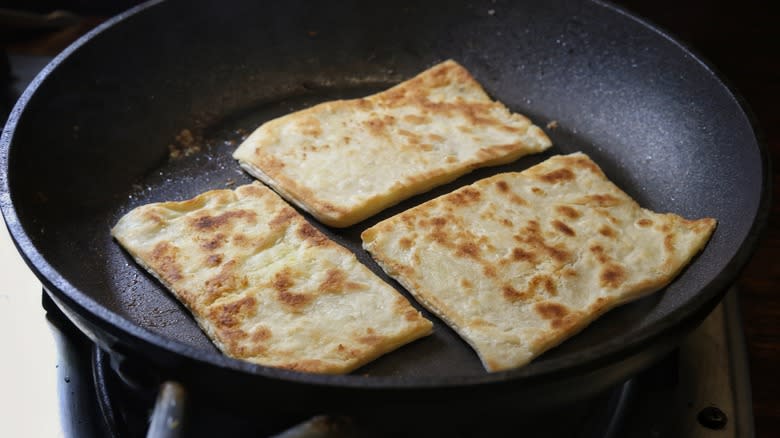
265 285
518 262
346 160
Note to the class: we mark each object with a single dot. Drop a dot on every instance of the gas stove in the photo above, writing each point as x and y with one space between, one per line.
699 390
63 385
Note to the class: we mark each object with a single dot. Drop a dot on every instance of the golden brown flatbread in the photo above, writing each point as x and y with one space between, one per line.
518 262
265 285
346 160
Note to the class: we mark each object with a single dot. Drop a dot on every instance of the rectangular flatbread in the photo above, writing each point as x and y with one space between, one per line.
518 262
265 285
345 160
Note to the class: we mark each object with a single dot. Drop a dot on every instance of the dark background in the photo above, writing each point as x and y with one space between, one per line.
739 39
742 42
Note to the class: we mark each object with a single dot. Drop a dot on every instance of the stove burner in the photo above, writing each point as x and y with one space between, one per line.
126 410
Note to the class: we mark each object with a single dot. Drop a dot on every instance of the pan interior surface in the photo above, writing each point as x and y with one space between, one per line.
95 138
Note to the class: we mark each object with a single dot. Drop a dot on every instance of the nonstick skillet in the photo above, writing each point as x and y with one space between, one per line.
93 136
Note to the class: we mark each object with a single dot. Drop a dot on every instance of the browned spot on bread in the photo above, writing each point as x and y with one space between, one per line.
516 199
214 243
601 200
261 333
232 337
440 236
464 196
365 104
282 218
466 283
310 126
164 257
328 207
536 284
378 127
543 282
558 175
224 282
417 120
311 235
551 310
669 242
411 315
209 223
565 323
479 322
558 254
305 365
531 236
405 243
607 231
598 305
283 280
612 275
231 314
214 260
507 223
252 190
563 228
700 225
519 254
492 364
477 113
347 352
598 251
503 187
569 212
489 271
371 339
407 219
512 294
569 272
153 216
537 191
439 221
242 240
336 281
605 213
412 138
468 249
293 300
436 138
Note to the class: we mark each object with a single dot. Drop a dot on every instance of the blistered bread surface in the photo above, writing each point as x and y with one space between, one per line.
518 262
265 285
345 160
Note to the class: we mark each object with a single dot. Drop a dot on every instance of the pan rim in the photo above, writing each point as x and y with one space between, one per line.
594 357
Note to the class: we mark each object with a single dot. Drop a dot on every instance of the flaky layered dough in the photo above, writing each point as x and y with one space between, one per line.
265 285
518 262
346 160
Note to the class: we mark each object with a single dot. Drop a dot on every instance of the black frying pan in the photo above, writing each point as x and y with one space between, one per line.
89 140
